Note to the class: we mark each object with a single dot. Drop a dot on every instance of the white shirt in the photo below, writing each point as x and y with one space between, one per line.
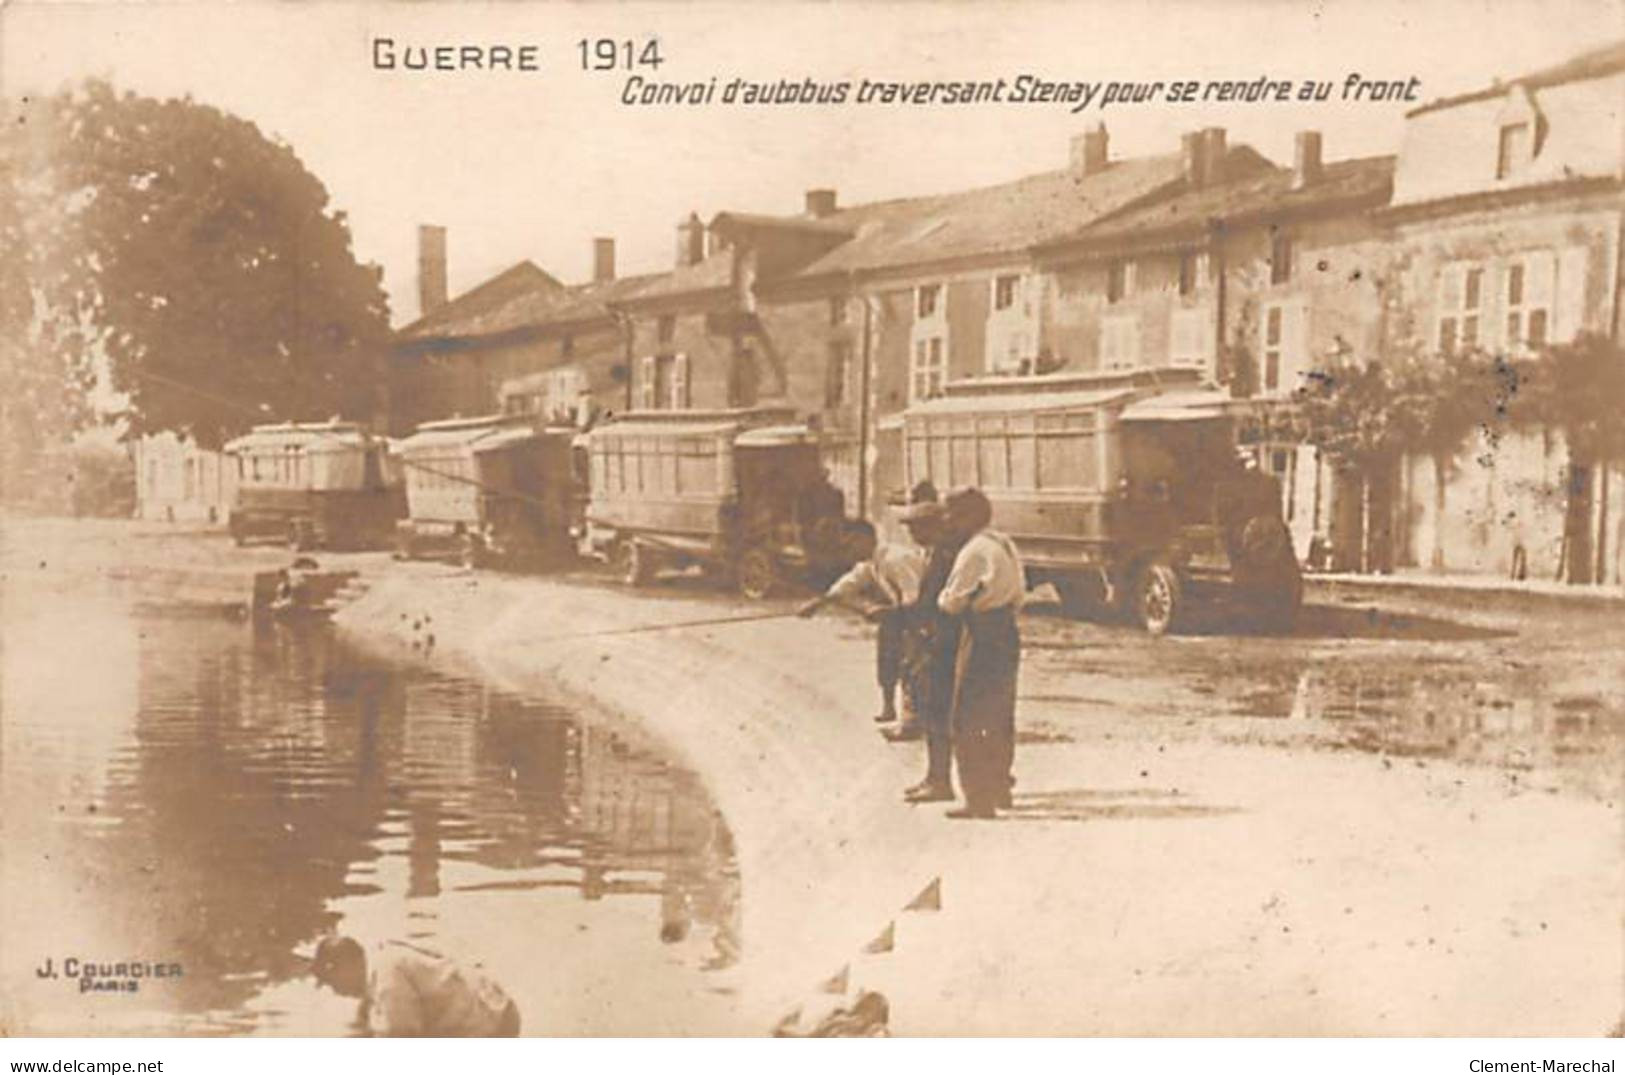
412 992
987 575
893 573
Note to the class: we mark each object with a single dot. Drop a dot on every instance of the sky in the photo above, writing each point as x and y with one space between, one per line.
535 164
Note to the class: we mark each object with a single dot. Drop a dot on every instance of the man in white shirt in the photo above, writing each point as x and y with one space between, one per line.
882 585
984 591
410 992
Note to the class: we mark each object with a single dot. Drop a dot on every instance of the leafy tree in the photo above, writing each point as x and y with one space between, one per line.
42 358
1577 390
193 258
1441 400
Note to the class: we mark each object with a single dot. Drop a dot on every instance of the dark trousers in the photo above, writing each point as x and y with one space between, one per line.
889 651
984 704
935 702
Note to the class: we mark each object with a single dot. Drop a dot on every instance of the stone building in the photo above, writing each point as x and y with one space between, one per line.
1251 273
1505 231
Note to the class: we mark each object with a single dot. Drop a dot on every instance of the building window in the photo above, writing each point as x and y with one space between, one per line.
1280 258
1190 336
1461 289
1119 280
1120 342
666 328
1515 148
1187 273
929 301
1004 291
929 371
664 383
1529 288
567 346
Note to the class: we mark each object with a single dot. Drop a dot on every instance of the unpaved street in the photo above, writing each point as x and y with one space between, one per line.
1403 818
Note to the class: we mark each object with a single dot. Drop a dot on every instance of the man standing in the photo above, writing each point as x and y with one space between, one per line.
983 592
938 640
883 585
410 992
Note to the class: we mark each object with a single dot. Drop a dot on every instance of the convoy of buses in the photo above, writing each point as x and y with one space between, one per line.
1123 490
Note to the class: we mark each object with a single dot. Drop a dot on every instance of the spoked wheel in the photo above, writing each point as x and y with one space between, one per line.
1157 597
757 573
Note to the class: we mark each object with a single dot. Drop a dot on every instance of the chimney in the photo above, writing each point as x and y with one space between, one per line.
1306 159
820 203
1213 149
603 260
1192 153
1089 152
690 241
431 268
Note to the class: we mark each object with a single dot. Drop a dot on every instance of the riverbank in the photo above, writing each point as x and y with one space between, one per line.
1160 875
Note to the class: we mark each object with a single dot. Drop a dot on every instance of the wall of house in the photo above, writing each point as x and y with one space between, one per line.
1506 489
1577 239
707 346
595 353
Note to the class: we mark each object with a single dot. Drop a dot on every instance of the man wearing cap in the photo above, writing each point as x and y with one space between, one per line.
884 585
410 992
983 592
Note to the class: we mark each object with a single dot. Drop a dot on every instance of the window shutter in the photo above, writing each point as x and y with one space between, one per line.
1539 279
1295 356
679 383
1451 288
1568 313
646 390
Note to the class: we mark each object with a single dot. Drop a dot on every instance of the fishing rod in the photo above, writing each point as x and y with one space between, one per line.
648 628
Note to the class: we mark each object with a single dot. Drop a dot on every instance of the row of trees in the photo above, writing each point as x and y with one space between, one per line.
166 265
1366 416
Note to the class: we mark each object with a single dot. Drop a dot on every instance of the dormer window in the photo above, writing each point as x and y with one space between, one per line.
1516 142
1519 132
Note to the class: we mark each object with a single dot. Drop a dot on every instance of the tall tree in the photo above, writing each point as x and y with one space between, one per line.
1577 390
199 259
1440 401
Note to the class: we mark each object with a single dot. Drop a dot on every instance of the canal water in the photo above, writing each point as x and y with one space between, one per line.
191 792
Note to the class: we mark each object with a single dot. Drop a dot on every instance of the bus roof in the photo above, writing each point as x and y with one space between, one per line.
331 435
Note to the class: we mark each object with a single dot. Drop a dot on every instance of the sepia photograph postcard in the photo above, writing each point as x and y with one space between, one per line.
942 519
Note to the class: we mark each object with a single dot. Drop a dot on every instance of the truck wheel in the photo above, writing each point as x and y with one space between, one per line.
1157 597
1279 607
635 563
757 573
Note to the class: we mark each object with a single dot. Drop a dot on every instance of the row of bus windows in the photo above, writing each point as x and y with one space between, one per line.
1067 460
287 467
631 466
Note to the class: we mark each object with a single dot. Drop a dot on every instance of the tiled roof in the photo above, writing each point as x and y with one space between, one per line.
521 279
534 306
713 272
1005 218
1265 192
1607 60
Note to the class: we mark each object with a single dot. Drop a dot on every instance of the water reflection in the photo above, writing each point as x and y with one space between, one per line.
276 783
